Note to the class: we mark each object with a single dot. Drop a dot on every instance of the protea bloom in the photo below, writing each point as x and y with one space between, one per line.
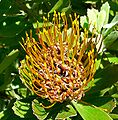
61 63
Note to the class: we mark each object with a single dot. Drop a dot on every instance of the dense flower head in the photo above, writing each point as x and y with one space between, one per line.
61 63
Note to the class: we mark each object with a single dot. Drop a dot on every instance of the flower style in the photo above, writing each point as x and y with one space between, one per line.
60 64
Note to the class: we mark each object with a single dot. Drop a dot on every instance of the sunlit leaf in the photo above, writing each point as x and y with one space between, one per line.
58 111
59 5
98 61
92 16
22 92
91 113
114 116
109 106
115 95
38 110
21 109
37 24
110 26
84 22
1 114
67 9
100 20
111 58
105 7
40 24
8 113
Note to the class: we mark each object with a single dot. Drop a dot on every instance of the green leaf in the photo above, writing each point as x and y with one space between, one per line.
68 111
84 22
12 26
98 61
2 103
38 110
1 114
67 9
90 113
14 40
105 78
5 79
100 20
115 95
110 39
105 7
114 46
92 17
59 5
109 105
21 109
111 58
78 6
4 6
106 103
57 111
114 116
23 92
110 26
8 60
8 113
40 24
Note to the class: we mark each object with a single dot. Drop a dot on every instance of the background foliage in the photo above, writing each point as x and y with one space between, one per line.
16 101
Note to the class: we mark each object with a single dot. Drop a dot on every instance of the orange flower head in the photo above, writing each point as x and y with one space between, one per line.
61 63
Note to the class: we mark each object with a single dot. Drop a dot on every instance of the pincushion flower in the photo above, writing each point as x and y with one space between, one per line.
60 64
